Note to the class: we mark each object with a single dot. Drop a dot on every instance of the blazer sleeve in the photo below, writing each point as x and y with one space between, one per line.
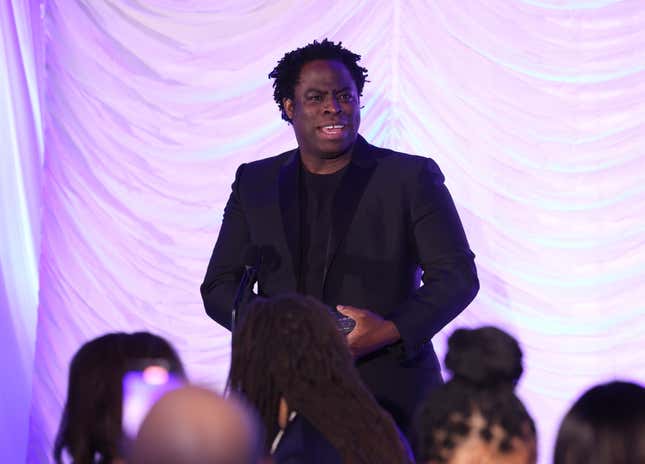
225 268
449 276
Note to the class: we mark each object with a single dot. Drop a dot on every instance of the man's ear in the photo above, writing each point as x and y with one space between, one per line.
287 104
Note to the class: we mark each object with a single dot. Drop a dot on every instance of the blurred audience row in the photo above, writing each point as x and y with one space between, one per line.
294 396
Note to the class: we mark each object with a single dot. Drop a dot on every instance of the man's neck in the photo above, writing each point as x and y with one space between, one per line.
317 165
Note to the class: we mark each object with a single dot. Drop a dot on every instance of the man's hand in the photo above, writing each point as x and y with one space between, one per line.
371 333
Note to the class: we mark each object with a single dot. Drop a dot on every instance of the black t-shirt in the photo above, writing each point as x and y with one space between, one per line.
316 198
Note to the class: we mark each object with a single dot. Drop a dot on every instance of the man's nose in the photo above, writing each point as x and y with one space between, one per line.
332 105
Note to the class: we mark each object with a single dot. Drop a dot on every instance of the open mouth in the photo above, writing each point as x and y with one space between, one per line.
333 129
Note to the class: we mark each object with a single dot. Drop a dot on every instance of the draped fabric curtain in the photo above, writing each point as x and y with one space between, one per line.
533 109
21 150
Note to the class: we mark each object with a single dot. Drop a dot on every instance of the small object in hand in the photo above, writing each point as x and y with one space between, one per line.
345 323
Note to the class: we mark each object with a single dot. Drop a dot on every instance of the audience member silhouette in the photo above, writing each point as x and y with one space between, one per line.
90 430
193 425
292 364
476 417
606 425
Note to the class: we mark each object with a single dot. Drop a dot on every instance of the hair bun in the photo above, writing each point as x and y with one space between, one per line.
485 357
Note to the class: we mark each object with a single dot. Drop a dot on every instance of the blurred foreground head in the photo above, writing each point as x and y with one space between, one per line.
476 417
289 348
606 425
193 425
91 428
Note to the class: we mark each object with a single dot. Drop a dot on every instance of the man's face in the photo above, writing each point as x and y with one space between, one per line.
325 111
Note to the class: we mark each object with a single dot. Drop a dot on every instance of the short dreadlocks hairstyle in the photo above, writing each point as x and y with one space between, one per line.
287 71
486 363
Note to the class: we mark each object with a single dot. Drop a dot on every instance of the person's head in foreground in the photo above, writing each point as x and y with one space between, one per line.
91 427
193 425
288 356
606 425
476 417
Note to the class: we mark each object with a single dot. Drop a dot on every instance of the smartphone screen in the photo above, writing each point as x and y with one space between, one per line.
143 385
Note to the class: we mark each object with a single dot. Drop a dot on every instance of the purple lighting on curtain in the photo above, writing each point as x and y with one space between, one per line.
21 151
533 109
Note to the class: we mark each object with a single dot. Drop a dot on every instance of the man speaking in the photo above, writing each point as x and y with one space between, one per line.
352 225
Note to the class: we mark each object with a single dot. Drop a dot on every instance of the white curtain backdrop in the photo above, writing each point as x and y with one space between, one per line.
533 109
21 150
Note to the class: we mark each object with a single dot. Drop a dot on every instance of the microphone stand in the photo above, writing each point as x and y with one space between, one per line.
247 281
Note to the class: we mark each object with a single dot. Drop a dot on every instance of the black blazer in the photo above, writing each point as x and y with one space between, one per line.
392 218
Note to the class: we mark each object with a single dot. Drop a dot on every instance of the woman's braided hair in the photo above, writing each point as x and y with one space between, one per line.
289 346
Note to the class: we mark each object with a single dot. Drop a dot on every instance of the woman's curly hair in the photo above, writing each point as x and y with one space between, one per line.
486 364
289 347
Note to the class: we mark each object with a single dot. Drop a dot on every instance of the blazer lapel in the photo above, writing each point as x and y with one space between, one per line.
289 197
347 198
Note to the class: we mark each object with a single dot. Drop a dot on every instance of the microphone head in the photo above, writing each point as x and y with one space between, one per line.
251 256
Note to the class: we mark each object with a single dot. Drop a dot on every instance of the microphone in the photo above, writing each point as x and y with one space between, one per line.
251 259
251 256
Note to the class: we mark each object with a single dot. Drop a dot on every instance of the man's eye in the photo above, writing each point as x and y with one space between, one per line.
346 97
314 98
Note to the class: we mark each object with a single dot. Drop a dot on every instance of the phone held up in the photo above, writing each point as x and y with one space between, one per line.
143 384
